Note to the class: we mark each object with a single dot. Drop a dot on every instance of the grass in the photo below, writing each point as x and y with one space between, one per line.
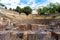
57 17
29 17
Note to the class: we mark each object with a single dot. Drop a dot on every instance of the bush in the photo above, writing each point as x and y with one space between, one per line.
27 10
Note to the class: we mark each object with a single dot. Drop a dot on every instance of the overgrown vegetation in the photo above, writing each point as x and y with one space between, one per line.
52 8
27 10
18 9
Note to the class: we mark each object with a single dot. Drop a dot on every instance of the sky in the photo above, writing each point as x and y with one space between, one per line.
23 3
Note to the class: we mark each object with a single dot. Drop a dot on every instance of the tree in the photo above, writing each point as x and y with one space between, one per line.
2 5
5 7
18 9
45 9
13 9
42 11
10 9
51 8
58 8
27 10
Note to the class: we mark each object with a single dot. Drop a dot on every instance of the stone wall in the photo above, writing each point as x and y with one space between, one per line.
15 35
32 27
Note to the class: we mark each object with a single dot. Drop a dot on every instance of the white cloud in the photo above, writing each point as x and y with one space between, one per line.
31 3
10 1
47 2
13 3
22 5
55 1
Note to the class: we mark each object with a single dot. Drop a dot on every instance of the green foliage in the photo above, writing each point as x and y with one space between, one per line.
5 7
10 9
52 5
27 10
2 5
13 9
18 9
58 8
51 8
42 11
